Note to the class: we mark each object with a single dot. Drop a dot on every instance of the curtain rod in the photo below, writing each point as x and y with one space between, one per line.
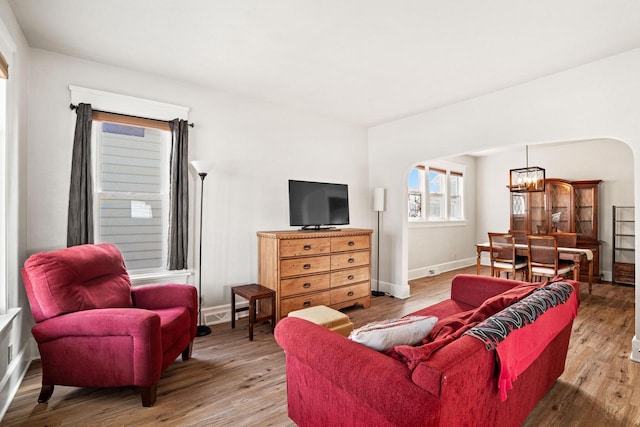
73 107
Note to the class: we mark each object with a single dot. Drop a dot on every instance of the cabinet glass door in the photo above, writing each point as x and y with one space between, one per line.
586 212
560 214
537 213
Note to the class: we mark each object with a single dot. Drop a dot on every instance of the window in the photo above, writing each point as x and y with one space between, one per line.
416 185
441 187
131 202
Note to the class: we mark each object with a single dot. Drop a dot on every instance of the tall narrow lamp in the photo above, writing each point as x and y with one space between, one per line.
202 168
378 206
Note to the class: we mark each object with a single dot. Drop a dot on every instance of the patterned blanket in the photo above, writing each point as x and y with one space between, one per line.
516 346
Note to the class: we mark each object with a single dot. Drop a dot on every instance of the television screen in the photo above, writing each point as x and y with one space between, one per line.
316 204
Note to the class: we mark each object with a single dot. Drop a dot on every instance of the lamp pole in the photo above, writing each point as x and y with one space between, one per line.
201 168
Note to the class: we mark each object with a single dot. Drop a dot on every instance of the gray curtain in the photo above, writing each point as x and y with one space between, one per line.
179 196
80 218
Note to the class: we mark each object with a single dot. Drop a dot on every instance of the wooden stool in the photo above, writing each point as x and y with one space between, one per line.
252 293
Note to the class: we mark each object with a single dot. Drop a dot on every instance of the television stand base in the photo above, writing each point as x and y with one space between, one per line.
318 228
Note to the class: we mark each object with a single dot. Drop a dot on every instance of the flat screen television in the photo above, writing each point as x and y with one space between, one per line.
318 205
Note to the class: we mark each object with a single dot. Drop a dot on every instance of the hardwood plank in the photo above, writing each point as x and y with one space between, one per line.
232 381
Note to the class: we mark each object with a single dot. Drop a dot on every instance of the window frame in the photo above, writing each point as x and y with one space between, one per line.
101 194
447 171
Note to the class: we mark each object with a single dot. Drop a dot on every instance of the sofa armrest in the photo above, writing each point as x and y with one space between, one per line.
105 322
475 290
374 379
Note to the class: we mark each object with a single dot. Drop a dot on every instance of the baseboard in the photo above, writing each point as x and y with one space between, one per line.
436 269
13 378
635 349
222 313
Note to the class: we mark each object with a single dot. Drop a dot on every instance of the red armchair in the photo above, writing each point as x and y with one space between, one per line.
94 330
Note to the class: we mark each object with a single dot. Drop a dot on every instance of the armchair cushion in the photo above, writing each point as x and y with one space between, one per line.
72 280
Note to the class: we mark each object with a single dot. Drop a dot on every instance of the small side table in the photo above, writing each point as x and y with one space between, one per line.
252 293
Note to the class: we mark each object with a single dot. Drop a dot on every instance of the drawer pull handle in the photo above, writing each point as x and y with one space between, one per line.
352 243
351 260
350 277
350 293
306 285
307 247
306 304
306 266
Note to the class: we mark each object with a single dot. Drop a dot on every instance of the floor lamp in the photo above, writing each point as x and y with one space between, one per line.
202 168
378 206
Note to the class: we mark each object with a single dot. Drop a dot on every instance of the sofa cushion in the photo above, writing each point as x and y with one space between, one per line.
77 278
385 334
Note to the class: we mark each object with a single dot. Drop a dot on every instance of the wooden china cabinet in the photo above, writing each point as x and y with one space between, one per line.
564 206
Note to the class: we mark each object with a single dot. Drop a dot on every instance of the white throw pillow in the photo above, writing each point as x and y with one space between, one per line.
385 334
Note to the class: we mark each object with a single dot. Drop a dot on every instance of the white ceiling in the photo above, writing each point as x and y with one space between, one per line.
363 61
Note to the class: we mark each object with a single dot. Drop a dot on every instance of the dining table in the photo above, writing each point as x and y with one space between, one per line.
568 254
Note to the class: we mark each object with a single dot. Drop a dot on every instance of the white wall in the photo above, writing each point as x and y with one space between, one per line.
256 147
15 323
597 100
455 241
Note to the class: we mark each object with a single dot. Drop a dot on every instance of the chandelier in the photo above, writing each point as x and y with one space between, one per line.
528 179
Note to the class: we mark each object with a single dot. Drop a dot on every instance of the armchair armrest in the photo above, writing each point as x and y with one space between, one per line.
165 296
374 379
99 323
153 297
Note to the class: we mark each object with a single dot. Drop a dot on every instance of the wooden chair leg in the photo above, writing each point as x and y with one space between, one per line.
149 395
45 393
186 353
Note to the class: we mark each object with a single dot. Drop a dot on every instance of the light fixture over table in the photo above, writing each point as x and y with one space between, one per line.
528 179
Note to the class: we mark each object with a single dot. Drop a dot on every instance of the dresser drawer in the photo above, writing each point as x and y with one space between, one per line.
347 293
298 247
350 276
349 243
300 266
304 284
306 301
349 259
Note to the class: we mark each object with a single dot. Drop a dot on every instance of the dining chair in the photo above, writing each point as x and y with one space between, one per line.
542 258
566 240
502 252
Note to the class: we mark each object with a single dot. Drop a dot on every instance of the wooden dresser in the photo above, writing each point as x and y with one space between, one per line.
307 268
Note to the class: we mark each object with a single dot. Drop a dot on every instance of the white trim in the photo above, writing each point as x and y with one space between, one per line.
417 273
437 224
161 277
129 105
635 349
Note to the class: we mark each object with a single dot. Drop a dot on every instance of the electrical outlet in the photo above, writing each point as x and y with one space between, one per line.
9 354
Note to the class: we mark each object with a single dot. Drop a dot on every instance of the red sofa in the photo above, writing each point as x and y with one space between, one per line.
334 381
94 330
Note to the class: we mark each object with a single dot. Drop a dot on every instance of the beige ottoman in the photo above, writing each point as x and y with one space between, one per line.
327 317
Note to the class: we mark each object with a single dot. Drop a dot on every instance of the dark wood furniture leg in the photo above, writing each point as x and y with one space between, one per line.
45 393
149 395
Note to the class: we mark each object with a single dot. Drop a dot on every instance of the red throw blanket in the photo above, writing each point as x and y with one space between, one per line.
452 327
516 344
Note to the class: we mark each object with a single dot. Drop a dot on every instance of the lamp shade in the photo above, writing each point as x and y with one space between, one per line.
378 199
202 166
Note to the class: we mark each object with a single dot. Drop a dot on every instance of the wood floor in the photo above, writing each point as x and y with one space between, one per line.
233 382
